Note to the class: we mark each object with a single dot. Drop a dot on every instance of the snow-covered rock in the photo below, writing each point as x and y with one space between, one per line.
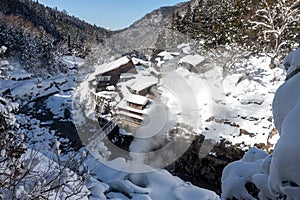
156 184
187 192
59 103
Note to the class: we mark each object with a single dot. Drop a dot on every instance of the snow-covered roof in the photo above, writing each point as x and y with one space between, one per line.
101 69
123 106
192 59
143 82
112 65
168 55
137 99
127 75
138 61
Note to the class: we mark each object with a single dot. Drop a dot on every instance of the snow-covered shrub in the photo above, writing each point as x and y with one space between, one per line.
40 177
27 174
253 168
11 147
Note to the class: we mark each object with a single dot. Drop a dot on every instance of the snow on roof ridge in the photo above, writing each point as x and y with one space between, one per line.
137 99
143 82
106 67
112 65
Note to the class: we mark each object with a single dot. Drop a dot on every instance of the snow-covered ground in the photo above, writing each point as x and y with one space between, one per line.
236 107
249 94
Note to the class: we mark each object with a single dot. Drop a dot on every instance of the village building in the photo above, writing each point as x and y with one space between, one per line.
125 91
130 112
109 74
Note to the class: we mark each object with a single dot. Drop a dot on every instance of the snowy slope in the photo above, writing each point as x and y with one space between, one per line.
237 105
276 176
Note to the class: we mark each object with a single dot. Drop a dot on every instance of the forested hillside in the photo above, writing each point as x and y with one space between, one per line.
269 25
33 32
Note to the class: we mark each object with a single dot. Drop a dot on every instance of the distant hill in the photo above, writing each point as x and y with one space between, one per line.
147 35
161 17
25 24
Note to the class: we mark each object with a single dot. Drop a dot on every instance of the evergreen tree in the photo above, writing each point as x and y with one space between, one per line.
177 22
187 21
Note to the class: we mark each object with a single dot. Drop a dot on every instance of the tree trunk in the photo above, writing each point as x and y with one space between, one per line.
272 64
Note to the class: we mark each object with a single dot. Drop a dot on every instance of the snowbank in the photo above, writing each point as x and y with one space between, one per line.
284 173
157 184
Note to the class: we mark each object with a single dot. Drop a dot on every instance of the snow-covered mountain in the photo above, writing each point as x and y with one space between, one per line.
151 32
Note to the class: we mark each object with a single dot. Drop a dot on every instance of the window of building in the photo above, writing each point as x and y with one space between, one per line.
104 78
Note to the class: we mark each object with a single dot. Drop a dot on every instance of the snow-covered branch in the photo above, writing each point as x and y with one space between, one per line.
257 24
276 23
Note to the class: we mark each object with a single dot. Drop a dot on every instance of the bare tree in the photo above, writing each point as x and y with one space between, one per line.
32 175
228 58
277 26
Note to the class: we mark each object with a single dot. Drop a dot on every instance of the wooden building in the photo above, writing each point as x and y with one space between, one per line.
131 112
109 74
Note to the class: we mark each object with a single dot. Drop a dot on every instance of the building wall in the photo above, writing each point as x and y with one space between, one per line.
148 91
133 105
101 86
